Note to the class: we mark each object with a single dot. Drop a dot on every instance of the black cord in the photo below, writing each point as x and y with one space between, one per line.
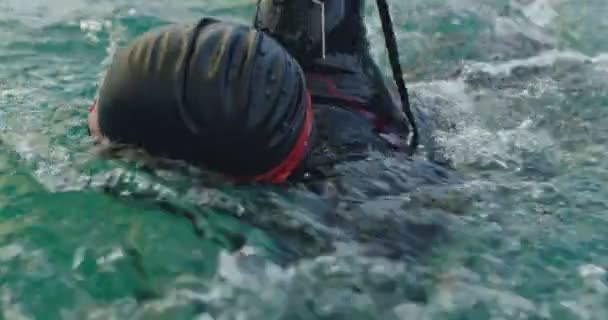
393 54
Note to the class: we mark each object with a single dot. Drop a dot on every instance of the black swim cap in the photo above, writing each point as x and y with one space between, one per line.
218 94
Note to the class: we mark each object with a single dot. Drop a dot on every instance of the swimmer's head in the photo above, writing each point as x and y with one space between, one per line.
218 94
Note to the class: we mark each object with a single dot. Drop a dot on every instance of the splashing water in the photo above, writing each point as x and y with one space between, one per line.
505 222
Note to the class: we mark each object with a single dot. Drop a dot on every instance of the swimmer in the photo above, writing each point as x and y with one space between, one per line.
255 104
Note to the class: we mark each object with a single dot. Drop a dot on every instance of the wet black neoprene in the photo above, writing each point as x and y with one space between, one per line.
341 77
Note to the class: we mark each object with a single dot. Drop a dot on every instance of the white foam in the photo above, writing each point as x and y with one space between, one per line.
544 59
10 252
591 270
87 25
407 311
540 12
10 309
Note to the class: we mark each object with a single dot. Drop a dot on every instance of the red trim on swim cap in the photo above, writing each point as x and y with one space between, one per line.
283 170
93 106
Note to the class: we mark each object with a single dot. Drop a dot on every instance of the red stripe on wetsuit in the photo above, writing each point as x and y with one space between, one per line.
378 123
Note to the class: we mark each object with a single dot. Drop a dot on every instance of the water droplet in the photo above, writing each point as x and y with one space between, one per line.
591 270
10 252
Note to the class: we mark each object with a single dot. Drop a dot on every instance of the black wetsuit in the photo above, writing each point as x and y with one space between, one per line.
354 110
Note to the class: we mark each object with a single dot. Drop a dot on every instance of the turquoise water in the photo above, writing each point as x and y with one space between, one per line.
517 93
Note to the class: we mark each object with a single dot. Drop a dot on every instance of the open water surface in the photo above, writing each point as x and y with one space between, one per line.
513 228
